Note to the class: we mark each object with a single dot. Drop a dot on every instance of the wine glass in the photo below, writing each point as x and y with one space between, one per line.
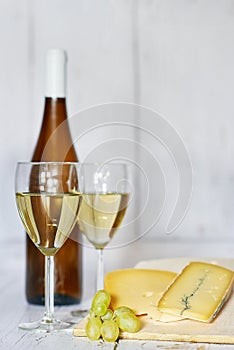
47 198
104 200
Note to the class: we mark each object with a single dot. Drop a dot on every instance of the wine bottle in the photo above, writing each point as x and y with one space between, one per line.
55 144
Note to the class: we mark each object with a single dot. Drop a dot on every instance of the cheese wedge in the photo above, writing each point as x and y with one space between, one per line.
198 292
140 290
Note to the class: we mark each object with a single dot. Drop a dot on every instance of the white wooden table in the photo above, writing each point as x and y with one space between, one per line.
14 308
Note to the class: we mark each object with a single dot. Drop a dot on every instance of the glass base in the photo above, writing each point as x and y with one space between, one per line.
45 325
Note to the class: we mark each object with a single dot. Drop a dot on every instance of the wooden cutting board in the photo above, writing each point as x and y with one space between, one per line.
220 331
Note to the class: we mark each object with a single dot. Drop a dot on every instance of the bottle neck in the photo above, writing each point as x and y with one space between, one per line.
55 109
54 142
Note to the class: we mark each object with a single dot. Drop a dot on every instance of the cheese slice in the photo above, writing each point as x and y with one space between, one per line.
140 289
198 292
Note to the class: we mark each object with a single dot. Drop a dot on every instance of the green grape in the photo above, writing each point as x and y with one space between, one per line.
93 328
108 315
101 297
109 331
128 322
92 313
99 309
121 309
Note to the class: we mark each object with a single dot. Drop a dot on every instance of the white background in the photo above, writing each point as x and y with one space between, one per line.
174 56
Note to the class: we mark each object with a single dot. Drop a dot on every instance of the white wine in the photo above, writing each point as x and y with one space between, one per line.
48 218
100 215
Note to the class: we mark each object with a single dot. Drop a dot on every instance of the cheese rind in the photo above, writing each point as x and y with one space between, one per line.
139 289
198 292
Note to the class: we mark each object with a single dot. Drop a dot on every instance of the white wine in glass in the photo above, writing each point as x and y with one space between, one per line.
47 197
104 200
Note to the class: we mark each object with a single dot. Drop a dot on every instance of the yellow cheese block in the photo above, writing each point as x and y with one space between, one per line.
140 290
198 292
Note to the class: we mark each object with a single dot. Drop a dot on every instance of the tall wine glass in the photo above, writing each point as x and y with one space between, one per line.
47 198
104 199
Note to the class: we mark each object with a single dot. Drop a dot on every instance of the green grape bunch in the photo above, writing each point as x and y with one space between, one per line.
107 324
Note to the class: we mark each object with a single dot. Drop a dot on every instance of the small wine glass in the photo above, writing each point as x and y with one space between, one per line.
104 199
47 198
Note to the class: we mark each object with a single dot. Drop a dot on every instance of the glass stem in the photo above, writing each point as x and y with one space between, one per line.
49 289
100 270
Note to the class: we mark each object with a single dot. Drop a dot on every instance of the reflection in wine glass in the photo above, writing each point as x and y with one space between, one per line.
104 200
47 196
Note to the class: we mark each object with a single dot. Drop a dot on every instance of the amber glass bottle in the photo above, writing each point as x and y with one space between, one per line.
55 144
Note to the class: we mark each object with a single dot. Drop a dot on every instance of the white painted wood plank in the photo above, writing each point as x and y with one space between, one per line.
14 101
186 52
